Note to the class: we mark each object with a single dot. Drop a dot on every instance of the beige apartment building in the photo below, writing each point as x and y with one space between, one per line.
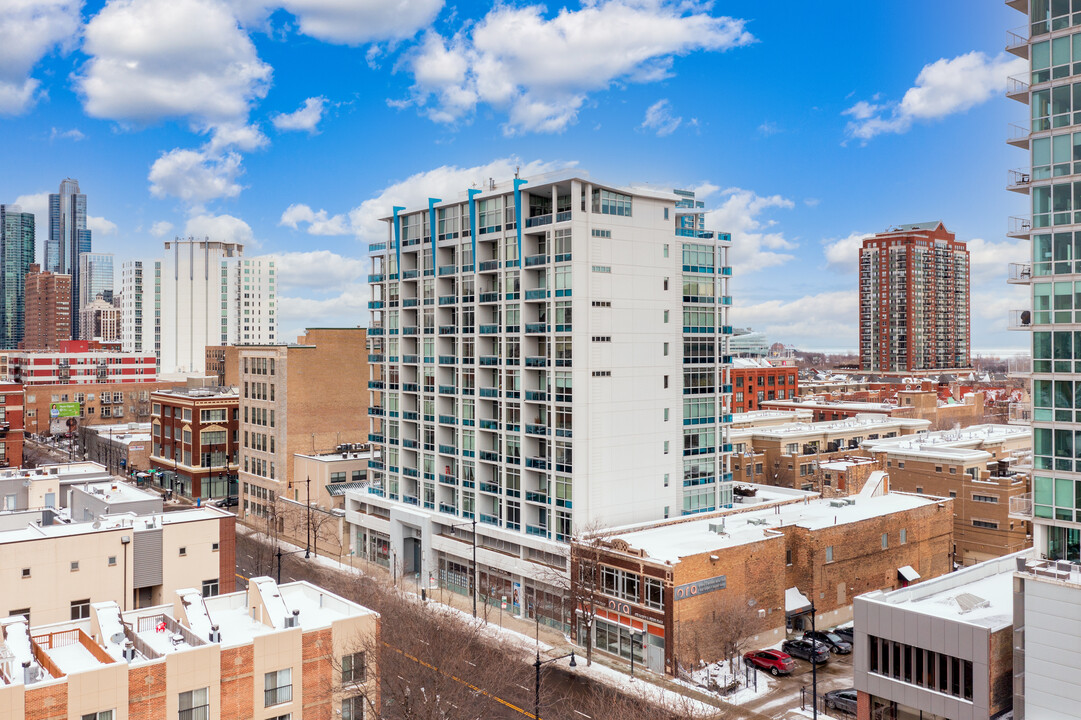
329 476
979 466
267 653
54 573
308 397
792 454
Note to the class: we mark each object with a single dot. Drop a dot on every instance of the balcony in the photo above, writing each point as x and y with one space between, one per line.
535 328
1019 320
1021 507
535 260
538 294
1019 274
541 430
1020 413
1017 136
536 395
489 266
1019 181
447 270
538 221
537 463
1017 41
1017 89
1019 365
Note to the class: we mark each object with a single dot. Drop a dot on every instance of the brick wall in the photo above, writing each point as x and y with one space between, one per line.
47 703
147 691
1001 696
227 554
237 689
317 650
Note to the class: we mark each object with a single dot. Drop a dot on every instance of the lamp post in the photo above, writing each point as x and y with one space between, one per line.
280 555
473 575
814 665
308 498
537 667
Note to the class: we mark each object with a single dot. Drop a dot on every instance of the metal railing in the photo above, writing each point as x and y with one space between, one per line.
1019 179
1020 413
1016 86
1017 38
1019 365
1021 506
1019 226
1019 273
1019 320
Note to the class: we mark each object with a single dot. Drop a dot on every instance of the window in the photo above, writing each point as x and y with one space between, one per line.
195 704
989 524
337 477
354 669
654 594
25 612
26 572
183 551
74 565
210 587
904 536
277 687
112 561
102 715
829 554
787 557
885 540
353 708
985 498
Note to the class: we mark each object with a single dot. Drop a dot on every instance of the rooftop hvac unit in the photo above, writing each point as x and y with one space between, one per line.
717 528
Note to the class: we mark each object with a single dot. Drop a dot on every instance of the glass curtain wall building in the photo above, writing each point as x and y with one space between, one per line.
68 238
16 254
547 356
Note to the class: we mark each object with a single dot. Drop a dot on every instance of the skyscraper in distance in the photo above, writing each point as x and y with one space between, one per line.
16 254
96 277
68 237
914 301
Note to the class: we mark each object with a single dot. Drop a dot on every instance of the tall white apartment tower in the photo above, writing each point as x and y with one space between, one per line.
547 356
194 287
1047 647
250 315
136 306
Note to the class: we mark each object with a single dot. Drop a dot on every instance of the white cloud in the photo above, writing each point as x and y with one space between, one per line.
659 118
755 246
307 117
828 320
155 59
347 307
73 134
224 228
446 182
319 269
354 22
161 228
100 226
28 30
843 254
541 70
235 135
319 223
195 176
942 88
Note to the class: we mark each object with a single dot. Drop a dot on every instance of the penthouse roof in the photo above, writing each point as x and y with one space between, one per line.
669 542
869 422
112 522
116 492
962 445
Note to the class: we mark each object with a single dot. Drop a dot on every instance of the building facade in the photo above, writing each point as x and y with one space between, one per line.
79 362
914 301
757 381
138 323
223 363
269 652
252 289
100 321
68 238
17 247
306 397
95 278
671 581
47 315
53 573
546 355
195 434
11 425
99 403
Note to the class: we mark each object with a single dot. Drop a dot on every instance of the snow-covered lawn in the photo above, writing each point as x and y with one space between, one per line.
735 685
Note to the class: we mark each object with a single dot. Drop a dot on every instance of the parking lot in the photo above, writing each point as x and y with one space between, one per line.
785 693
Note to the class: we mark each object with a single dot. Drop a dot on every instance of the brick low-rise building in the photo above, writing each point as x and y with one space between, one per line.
757 381
196 439
80 362
287 651
671 581
99 403
977 466
12 427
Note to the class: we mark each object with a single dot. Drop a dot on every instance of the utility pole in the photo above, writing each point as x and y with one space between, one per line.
308 498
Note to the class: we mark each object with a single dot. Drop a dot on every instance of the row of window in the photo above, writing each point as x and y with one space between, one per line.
923 668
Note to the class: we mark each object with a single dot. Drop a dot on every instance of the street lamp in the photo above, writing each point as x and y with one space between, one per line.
473 578
814 665
308 498
537 666
280 555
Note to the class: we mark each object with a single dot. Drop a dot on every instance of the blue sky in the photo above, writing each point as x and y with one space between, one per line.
292 125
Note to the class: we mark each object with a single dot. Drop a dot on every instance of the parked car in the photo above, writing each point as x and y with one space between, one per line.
842 700
807 650
847 633
777 662
835 642
228 502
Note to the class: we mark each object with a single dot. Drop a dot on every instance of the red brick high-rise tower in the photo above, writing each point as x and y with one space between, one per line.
48 310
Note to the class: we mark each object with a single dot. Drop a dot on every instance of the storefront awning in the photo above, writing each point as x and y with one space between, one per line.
908 573
795 602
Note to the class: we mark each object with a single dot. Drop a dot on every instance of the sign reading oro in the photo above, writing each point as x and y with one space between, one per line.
689 590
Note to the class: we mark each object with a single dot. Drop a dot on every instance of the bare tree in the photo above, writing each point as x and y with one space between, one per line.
584 583
720 633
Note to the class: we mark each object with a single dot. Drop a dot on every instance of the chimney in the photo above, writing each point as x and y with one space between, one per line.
215 634
28 674
293 621
129 650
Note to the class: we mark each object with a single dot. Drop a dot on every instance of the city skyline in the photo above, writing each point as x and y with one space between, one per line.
808 152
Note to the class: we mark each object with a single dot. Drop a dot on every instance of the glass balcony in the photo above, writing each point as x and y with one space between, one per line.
1019 274
1021 507
1019 320
1019 181
1017 89
1020 413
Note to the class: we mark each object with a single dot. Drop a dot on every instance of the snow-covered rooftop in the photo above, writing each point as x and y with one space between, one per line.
112 522
681 538
980 594
866 421
117 492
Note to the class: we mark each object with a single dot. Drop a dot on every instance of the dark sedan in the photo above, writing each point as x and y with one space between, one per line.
842 700
807 650
835 642
848 633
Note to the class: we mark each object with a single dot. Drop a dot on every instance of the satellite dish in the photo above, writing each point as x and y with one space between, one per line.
117 638
96 525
